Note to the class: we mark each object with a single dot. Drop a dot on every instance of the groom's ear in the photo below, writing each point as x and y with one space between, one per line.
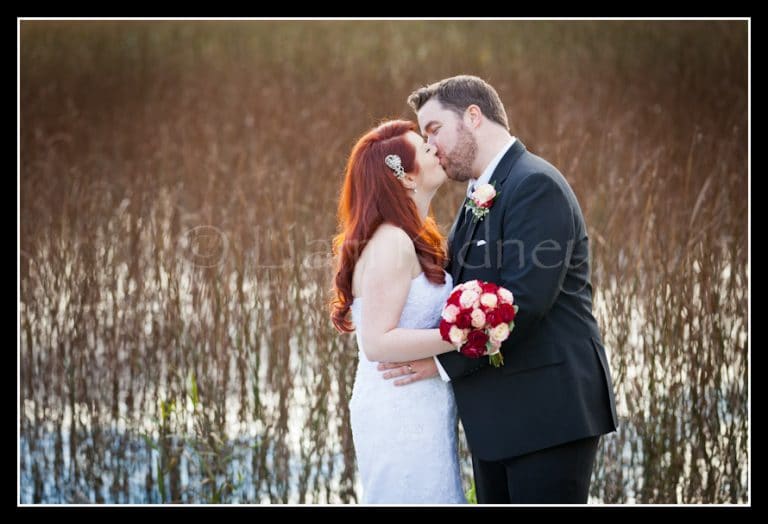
473 115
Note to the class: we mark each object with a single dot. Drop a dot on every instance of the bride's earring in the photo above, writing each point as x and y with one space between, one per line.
414 189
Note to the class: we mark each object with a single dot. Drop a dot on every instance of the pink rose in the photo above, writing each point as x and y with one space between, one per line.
450 312
478 318
489 300
484 195
457 336
505 295
500 333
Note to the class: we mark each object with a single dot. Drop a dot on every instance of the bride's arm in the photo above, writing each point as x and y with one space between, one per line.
385 284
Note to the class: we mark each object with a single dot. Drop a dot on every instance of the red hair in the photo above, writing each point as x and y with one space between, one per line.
371 196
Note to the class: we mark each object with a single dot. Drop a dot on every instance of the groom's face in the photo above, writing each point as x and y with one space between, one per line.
455 143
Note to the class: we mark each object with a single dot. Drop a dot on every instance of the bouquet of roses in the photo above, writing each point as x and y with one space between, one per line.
478 316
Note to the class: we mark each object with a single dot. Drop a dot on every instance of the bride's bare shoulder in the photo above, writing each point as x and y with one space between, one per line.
391 245
393 236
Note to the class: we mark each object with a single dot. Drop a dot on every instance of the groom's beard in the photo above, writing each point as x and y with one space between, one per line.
458 163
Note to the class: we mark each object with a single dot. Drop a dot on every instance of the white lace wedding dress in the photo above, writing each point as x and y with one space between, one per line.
405 436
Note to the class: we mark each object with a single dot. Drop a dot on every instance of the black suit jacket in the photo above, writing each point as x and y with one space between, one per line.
555 385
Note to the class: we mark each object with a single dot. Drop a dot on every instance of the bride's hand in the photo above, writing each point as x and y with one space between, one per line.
409 371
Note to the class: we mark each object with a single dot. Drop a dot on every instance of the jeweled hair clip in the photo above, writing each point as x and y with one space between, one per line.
396 165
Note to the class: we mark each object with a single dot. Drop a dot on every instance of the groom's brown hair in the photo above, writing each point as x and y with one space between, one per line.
459 92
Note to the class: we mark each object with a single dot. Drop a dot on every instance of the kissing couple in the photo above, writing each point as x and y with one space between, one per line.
533 424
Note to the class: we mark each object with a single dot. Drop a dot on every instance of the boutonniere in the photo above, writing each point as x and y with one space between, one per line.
480 201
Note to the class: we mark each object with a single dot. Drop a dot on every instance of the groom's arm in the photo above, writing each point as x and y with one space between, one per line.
534 251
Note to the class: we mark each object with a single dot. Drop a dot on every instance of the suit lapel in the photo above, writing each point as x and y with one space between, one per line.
456 230
499 176
457 223
469 230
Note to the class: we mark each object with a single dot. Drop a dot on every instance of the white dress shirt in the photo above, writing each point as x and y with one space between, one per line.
473 183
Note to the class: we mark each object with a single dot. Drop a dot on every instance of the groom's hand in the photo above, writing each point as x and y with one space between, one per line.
408 371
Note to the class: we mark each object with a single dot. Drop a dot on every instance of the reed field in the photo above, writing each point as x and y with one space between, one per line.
178 191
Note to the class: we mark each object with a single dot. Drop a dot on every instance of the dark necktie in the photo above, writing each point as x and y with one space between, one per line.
467 211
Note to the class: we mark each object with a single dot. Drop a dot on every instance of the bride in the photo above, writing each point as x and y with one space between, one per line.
390 281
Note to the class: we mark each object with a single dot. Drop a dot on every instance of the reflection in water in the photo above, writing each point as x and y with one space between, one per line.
213 421
214 397
118 468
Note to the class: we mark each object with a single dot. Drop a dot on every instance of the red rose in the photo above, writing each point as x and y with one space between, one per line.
475 345
455 298
507 312
472 352
477 338
493 318
464 320
445 329
489 287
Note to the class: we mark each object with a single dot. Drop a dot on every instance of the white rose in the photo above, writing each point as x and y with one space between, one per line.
478 318
489 299
468 298
495 347
473 285
505 295
457 336
483 194
450 312
500 332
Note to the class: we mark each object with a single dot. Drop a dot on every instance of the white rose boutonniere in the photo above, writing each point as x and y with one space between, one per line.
481 200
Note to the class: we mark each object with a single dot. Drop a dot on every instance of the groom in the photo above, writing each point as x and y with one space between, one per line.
533 425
